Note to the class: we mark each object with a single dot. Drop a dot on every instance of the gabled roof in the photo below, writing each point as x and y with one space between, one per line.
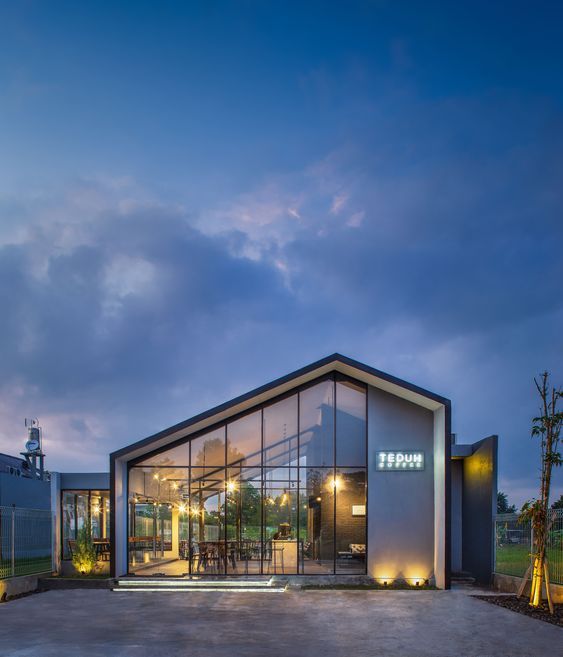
335 362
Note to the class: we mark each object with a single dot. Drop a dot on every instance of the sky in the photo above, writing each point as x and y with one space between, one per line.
199 197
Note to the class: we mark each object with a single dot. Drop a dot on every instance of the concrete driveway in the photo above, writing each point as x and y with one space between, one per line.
292 624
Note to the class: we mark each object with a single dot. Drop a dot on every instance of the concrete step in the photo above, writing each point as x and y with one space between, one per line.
191 585
462 578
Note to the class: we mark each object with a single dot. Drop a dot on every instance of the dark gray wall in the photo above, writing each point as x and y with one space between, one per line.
24 492
84 480
456 514
400 504
479 507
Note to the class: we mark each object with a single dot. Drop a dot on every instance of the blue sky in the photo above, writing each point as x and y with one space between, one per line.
196 198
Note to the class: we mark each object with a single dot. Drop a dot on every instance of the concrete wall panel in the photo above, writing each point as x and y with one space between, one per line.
400 504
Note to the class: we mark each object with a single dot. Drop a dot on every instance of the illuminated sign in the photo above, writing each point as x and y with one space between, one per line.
358 509
400 461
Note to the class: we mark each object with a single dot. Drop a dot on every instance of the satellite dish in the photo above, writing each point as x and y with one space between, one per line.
32 445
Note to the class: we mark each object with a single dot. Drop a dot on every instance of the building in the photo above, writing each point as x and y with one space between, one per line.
21 486
336 469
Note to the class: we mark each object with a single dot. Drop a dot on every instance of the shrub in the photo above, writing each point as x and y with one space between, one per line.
84 557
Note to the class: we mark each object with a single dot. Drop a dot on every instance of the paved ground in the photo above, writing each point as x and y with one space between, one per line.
292 624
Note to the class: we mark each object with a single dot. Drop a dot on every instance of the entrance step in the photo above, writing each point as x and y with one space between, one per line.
193 585
462 578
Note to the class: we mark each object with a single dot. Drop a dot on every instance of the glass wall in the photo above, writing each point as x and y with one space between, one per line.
82 509
279 490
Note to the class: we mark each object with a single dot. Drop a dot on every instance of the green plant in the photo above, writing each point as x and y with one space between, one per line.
84 555
547 427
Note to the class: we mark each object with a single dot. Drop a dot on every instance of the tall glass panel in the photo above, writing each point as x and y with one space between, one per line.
97 515
316 520
156 503
207 519
244 440
243 518
69 522
280 433
208 451
350 520
281 548
351 425
316 425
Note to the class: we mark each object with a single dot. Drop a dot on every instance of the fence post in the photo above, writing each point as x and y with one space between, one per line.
13 540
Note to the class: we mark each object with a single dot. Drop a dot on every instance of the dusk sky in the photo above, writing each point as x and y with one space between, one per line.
199 197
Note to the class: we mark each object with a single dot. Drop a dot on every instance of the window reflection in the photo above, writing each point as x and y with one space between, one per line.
316 507
316 423
350 424
244 440
258 495
209 449
280 433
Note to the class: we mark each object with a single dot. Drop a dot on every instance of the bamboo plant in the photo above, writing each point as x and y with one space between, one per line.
546 427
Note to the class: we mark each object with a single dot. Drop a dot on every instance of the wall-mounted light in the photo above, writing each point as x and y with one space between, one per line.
231 486
335 483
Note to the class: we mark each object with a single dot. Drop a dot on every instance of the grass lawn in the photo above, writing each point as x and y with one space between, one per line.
515 559
25 566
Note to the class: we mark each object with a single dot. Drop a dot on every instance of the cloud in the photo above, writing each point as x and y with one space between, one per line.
338 203
127 312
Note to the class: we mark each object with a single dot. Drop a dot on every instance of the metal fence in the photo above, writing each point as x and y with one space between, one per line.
25 541
513 546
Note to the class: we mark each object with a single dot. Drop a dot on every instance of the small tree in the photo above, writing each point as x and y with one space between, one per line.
547 427
84 556
558 504
502 504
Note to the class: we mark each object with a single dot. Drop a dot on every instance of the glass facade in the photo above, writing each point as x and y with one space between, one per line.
83 508
279 490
